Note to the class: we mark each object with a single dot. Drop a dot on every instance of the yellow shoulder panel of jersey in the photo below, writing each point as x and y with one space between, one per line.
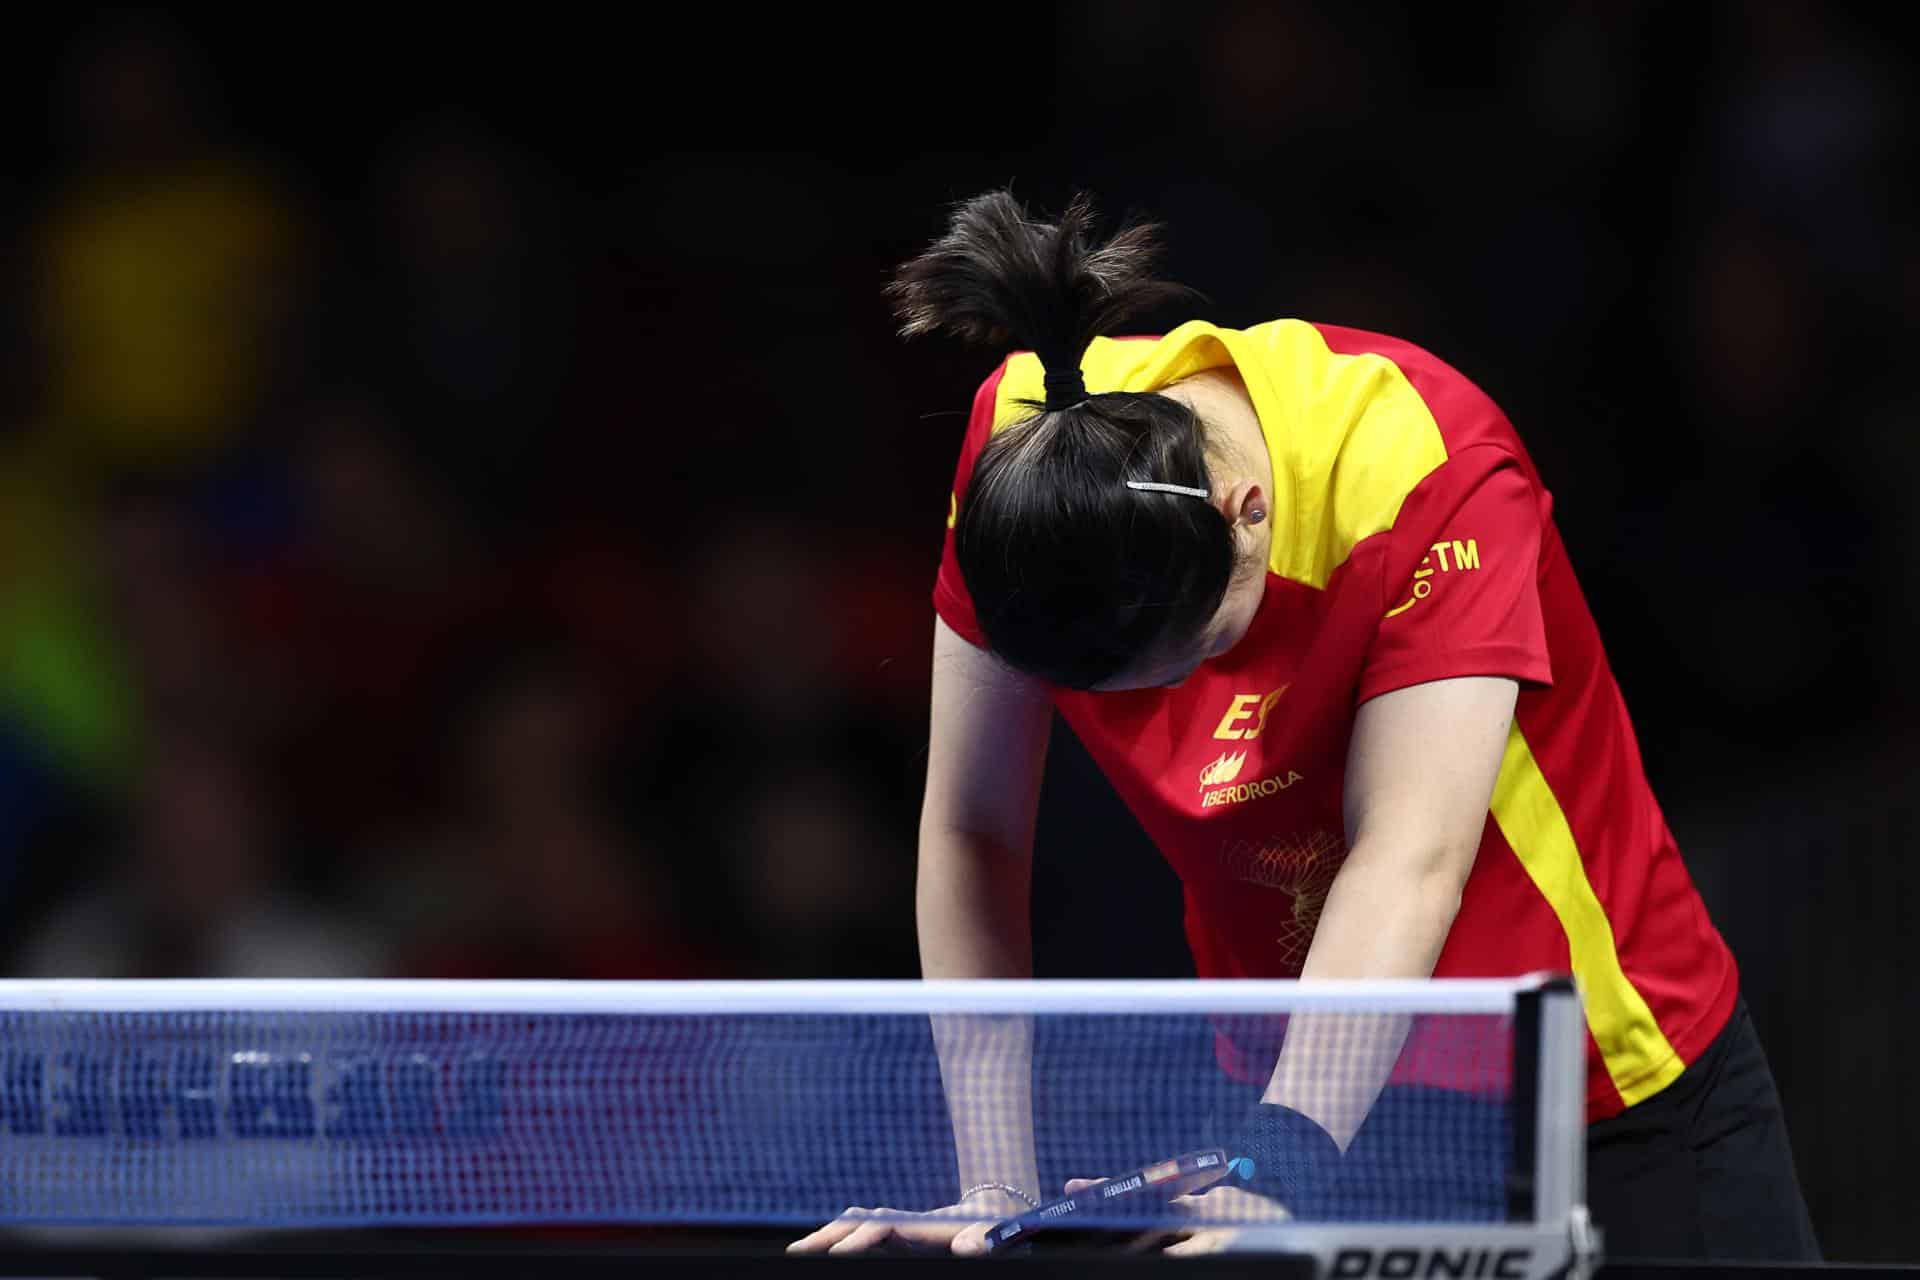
1348 435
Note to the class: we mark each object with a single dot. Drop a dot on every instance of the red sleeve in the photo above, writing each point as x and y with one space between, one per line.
950 598
1460 587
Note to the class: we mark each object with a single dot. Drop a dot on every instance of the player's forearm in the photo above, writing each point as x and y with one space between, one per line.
971 906
1386 916
986 1067
1379 921
972 910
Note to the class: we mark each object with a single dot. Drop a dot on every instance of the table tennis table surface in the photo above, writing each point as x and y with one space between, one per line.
670 1254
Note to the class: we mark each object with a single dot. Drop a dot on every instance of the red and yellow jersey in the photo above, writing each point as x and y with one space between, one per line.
1412 541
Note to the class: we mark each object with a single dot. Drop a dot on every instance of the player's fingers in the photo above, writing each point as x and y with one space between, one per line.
936 1230
1190 1206
1077 1185
1214 1240
1149 1241
864 1237
838 1229
971 1241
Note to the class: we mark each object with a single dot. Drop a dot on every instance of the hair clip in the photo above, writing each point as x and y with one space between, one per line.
1154 486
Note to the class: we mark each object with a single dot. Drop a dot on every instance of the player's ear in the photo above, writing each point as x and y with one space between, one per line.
1244 503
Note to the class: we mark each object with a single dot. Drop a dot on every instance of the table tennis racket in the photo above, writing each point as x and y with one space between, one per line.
1156 1183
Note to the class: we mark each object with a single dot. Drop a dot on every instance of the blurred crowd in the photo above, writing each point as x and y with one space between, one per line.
326 651
444 557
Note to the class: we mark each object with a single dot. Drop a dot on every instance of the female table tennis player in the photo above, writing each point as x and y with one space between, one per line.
1298 590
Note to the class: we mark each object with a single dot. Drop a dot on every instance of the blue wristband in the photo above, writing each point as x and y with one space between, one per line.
1293 1159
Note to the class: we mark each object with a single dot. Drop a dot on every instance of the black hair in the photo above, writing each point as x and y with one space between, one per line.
1075 578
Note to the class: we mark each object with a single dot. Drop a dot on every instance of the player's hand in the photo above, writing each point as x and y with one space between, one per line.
1219 1204
960 1228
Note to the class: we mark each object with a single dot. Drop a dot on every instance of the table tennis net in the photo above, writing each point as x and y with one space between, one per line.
340 1105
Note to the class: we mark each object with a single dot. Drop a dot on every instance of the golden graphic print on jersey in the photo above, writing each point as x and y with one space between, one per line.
1302 865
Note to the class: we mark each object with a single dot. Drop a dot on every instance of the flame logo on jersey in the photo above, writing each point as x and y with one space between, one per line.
1223 770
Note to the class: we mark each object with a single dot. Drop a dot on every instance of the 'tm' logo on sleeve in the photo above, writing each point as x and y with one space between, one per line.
1453 556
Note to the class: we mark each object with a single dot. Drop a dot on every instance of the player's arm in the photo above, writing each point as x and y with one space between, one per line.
989 743
987 748
1420 775
984 762
1458 634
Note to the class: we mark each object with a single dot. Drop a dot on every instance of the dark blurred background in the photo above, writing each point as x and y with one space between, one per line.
463 511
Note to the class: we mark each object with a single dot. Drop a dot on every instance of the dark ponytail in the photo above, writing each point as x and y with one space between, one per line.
1075 577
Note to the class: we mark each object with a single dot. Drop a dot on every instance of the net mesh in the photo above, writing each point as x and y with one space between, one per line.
286 1118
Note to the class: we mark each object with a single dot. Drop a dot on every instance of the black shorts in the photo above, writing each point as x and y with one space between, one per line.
1702 1170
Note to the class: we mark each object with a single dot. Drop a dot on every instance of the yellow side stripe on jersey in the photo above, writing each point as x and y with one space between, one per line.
1639 1059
